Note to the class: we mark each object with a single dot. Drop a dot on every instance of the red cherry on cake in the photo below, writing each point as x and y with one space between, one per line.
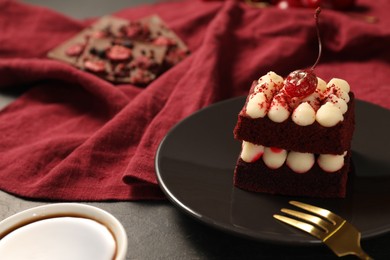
302 83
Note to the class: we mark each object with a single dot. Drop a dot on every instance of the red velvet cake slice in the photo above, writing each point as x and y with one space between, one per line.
295 142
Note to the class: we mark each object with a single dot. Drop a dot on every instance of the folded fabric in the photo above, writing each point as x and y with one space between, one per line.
74 136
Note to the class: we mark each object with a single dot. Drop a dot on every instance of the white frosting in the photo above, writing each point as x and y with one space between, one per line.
331 162
339 83
251 152
340 88
321 84
339 102
300 162
314 99
269 84
274 157
329 115
296 161
304 114
257 105
326 104
271 77
59 238
344 95
278 111
294 102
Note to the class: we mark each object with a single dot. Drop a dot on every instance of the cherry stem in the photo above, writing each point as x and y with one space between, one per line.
316 14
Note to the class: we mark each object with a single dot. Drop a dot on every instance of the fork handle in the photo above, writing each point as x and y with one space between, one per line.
363 255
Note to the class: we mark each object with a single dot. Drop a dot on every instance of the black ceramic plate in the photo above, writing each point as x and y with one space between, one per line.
195 164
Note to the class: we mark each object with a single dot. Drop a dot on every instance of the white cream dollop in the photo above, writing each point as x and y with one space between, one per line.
338 102
271 77
345 96
304 114
278 111
251 152
314 99
321 84
269 84
300 162
329 115
331 162
274 157
339 83
257 105
340 88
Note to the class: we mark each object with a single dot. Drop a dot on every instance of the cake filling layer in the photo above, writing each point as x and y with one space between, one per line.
299 162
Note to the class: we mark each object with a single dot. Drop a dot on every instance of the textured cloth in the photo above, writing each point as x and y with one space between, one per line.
73 136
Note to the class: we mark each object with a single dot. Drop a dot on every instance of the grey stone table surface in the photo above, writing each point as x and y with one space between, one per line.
158 230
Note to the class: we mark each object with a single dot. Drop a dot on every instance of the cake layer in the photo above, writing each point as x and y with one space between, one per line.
287 135
257 177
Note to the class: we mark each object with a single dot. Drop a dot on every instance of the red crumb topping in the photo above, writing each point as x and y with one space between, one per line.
257 157
276 149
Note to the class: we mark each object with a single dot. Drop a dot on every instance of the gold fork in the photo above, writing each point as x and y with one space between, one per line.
339 235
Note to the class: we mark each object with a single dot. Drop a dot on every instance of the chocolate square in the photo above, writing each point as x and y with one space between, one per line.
122 51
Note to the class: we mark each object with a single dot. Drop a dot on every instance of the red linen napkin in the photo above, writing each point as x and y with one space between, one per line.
74 136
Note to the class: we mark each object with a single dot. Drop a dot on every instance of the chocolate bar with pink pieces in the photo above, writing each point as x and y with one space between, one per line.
161 35
122 51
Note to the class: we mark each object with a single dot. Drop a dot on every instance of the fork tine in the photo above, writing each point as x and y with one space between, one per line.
312 219
343 238
335 219
301 225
